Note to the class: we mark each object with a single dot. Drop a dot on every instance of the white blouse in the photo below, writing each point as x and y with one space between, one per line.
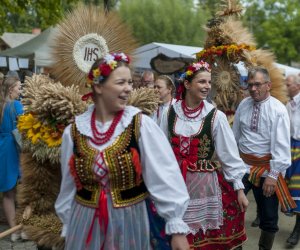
271 136
161 172
158 114
225 144
293 108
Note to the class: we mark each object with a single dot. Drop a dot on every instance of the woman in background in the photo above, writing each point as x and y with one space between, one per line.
10 109
166 88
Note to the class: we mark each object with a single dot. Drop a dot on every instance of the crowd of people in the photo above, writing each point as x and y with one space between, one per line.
129 180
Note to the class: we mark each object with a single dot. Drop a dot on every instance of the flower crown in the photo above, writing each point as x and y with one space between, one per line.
191 69
109 63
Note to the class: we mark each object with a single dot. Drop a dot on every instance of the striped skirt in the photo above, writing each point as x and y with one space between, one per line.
293 175
128 228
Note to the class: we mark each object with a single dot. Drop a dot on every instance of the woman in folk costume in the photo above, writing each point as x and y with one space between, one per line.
166 88
109 164
196 130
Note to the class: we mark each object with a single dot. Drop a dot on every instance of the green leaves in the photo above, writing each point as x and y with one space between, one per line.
168 21
275 25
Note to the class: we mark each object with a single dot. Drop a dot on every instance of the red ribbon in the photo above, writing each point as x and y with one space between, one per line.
102 214
87 96
179 91
185 163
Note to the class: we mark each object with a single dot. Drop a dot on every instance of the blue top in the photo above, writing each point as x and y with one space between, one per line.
9 155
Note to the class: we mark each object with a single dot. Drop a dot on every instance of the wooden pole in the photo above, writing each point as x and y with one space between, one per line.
10 231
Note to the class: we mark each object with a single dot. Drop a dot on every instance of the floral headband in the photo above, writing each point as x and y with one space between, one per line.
109 63
191 69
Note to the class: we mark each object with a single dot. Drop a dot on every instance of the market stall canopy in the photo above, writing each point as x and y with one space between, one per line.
144 54
12 40
163 52
36 48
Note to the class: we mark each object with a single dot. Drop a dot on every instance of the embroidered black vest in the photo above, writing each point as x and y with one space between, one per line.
126 187
196 151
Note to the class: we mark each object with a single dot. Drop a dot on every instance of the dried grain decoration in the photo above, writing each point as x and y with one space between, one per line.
82 21
146 99
53 106
229 42
230 8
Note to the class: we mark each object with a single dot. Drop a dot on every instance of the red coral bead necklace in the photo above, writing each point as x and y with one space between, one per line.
192 113
101 138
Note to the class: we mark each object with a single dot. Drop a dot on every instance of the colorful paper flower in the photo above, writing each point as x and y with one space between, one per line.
110 62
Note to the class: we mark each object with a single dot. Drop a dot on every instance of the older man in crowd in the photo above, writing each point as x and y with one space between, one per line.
147 79
293 173
262 131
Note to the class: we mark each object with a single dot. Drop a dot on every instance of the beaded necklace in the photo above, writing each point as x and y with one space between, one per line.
101 138
188 112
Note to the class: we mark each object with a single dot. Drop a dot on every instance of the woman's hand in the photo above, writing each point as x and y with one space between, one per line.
179 242
242 200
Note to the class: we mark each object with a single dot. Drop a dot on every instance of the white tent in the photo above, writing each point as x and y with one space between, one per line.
36 48
145 53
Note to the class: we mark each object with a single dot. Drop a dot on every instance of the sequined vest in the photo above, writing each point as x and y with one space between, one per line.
126 185
196 151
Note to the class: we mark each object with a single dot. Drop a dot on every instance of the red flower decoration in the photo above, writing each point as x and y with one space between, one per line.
118 58
105 69
90 76
191 68
175 140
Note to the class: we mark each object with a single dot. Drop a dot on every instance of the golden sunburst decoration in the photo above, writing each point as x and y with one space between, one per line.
224 75
85 34
228 42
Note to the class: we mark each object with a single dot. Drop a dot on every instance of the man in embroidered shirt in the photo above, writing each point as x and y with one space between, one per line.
261 128
293 173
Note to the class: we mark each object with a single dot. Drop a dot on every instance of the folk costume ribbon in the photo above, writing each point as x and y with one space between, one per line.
259 166
102 214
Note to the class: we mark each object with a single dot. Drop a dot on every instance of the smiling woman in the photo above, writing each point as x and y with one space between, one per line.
196 131
109 166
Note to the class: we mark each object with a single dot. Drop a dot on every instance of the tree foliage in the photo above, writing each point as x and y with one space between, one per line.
169 21
211 6
275 24
24 15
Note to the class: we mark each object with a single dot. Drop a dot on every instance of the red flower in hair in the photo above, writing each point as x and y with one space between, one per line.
118 58
90 76
105 69
191 68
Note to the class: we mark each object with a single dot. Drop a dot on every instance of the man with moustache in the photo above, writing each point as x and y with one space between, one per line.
262 131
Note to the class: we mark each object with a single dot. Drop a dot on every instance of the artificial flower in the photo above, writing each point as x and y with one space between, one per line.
105 69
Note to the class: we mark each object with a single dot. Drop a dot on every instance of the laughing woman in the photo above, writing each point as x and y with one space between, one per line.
196 130
109 160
